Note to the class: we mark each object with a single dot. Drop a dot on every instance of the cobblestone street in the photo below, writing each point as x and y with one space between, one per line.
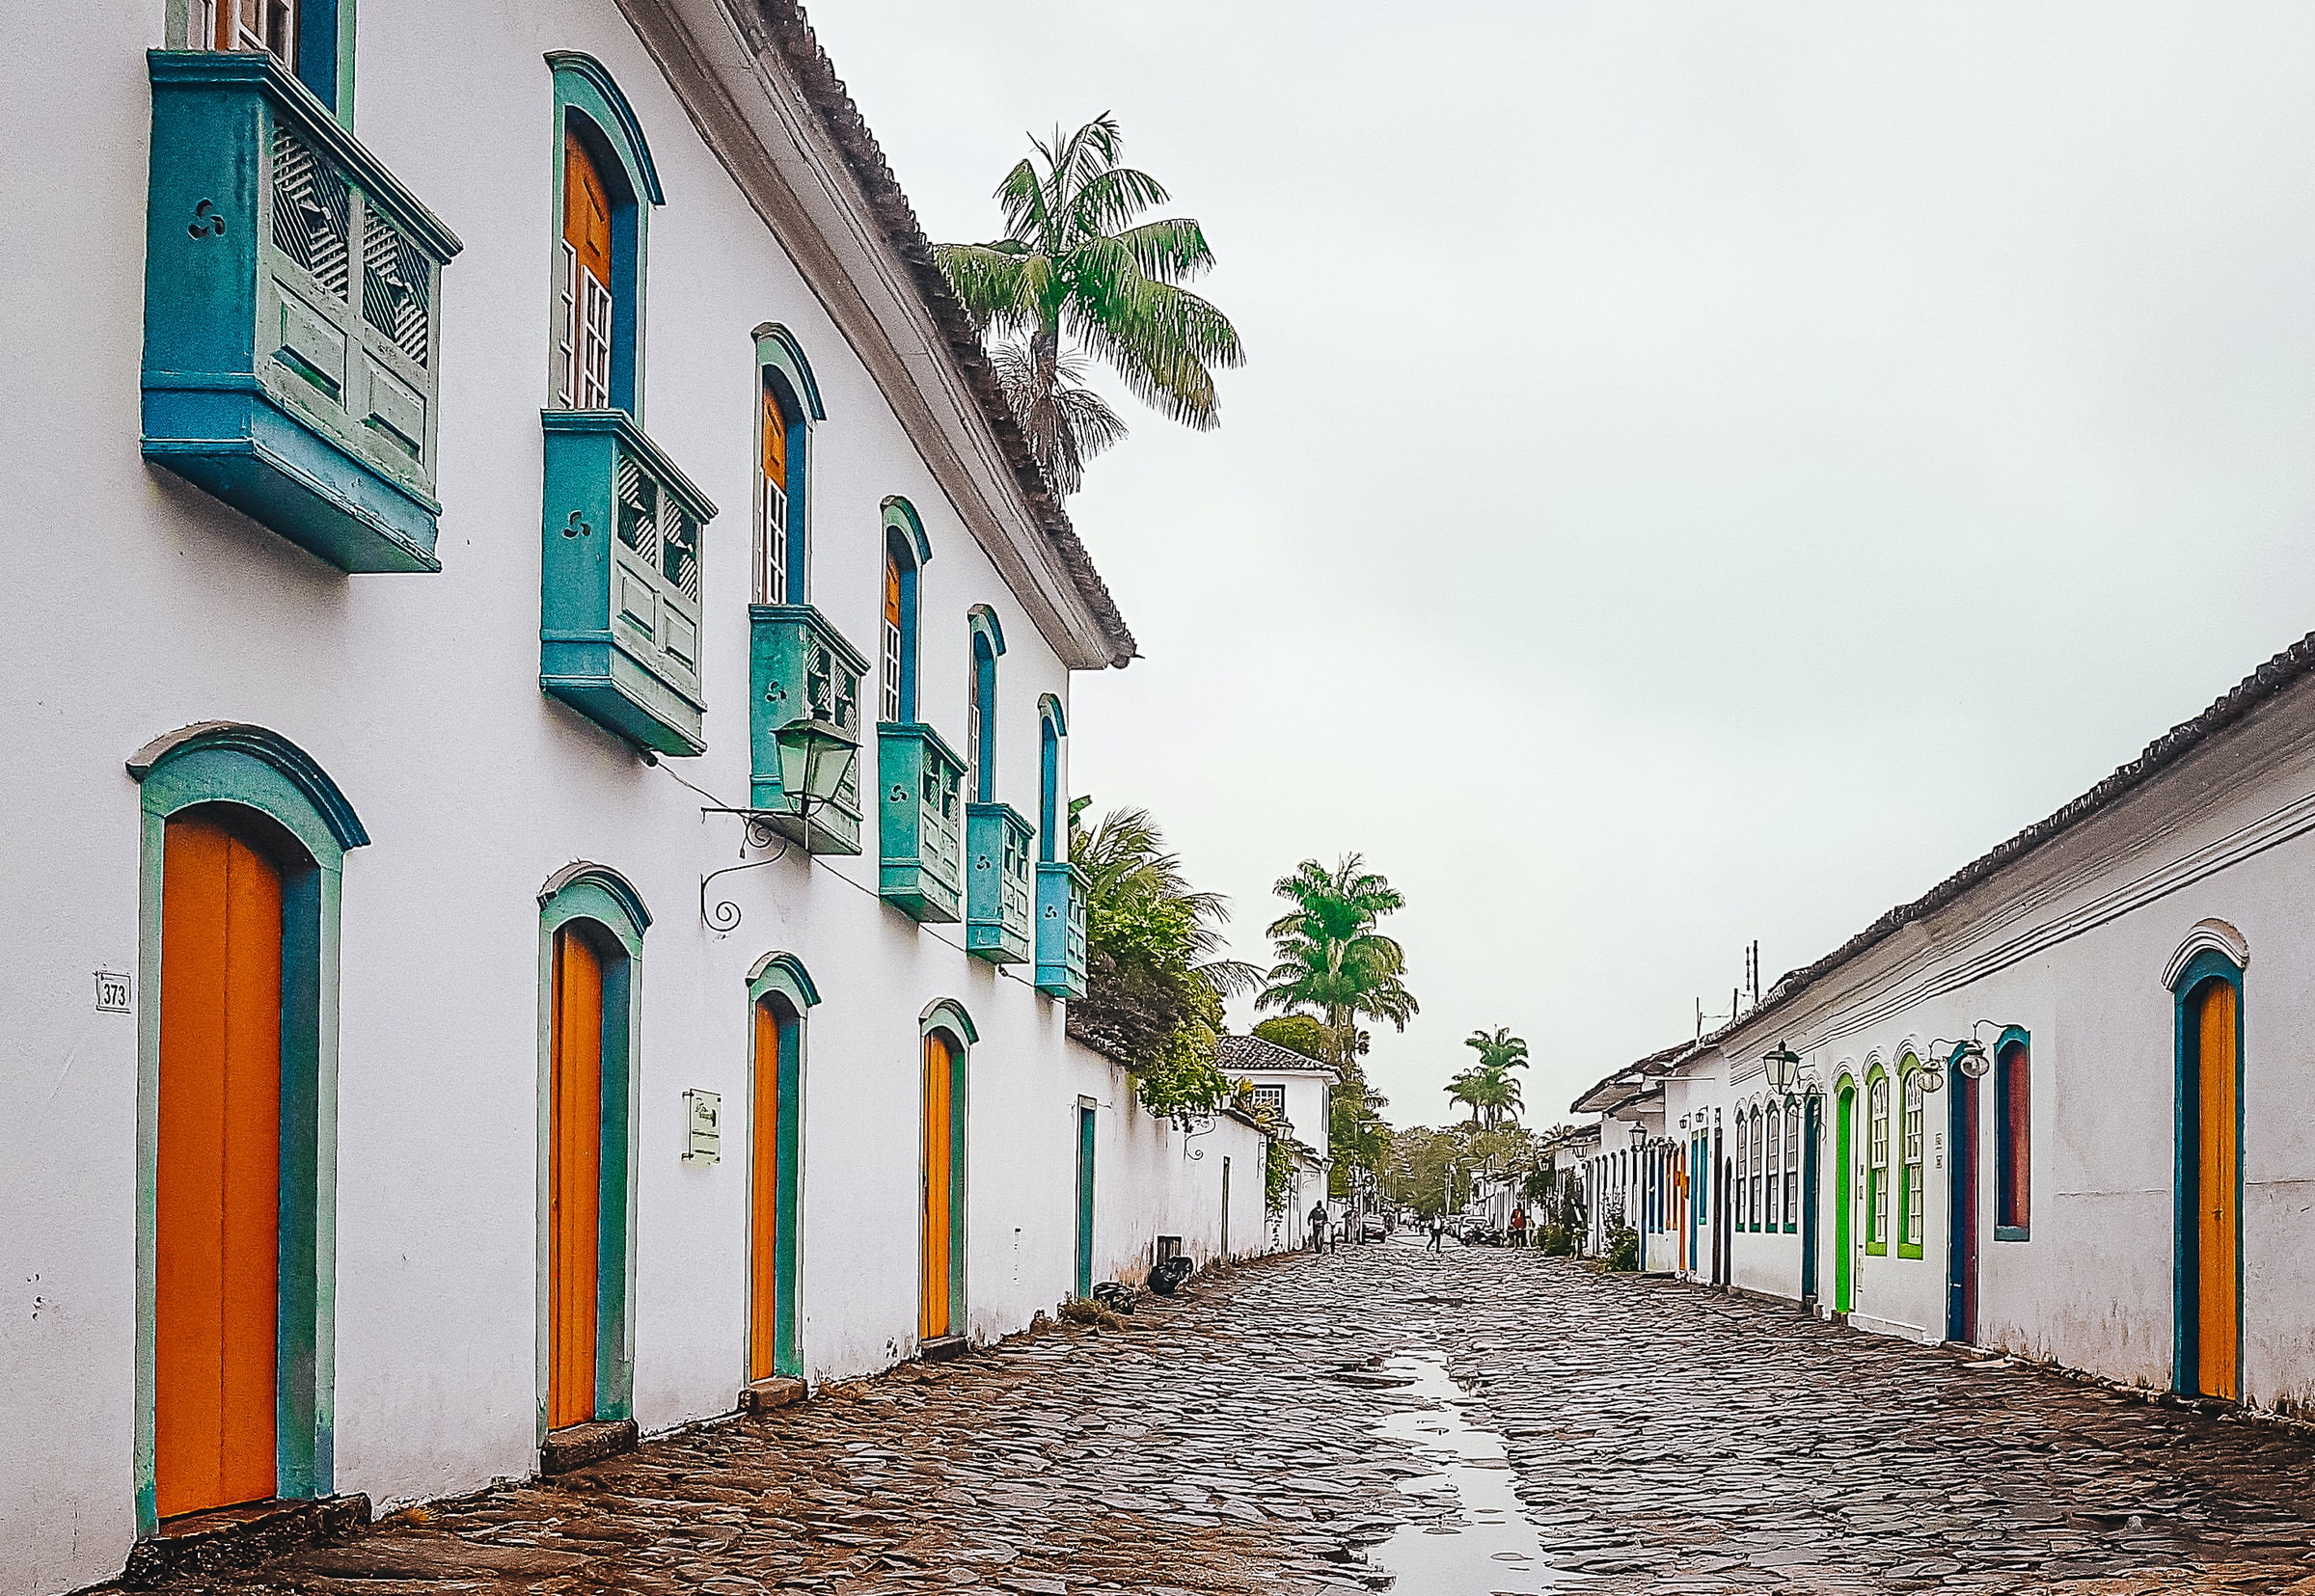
1473 1422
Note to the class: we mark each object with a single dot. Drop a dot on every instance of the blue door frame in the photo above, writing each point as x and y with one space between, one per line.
1812 1121
1084 1269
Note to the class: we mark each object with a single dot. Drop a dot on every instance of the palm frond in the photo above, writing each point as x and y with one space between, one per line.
1169 251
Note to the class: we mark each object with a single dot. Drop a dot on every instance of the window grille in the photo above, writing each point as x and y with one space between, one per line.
393 286
1272 1098
639 511
972 740
1793 1120
1914 1115
893 639
1776 1168
263 27
1743 1168
312 211
1877 1165
588 385
772 546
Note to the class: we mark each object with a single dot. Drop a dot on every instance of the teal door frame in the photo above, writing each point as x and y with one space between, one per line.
1084 1261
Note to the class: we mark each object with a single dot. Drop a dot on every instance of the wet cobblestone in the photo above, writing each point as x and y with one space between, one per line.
1659 1439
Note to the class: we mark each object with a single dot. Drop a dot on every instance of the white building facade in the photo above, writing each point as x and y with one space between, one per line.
2049 1108
518 465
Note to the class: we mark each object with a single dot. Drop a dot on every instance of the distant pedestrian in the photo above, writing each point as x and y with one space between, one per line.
1318 1227
1438 1235
1519 1226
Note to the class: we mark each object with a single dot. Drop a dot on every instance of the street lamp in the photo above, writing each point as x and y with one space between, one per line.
815 756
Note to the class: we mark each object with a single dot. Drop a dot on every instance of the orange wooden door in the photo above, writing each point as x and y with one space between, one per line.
586 211
574 1180
2219 1227
763 1277
217 1197
933 1316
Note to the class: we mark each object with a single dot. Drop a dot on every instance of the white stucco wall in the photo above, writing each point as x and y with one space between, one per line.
2074 944
158 608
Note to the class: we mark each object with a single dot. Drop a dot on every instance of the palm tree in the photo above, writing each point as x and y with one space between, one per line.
1331 956
1153 985
1074 263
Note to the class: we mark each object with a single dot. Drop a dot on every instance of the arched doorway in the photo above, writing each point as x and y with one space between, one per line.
217 1187
780 994
243 843
2210 1162
940 1274
1844 1199
591 943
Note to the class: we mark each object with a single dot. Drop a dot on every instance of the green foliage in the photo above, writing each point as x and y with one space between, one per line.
1152 987
1277 1177
1332 959
1415 1174
1488 1087
1074 264
1331 955
1623 1249
1300 1033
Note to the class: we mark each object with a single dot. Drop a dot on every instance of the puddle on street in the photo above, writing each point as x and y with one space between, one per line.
1483 1545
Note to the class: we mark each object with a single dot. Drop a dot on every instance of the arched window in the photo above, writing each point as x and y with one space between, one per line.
980 718
244 841
1759 1202
905 550
1049 785
1792 1166
1776 1166
605 186
1876 1163
2013 1139
1909 1179
1743 1166
788 403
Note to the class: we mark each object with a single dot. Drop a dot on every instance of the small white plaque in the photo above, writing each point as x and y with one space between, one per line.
703 1111
114 991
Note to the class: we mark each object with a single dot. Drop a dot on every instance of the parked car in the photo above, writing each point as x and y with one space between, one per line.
1373 1227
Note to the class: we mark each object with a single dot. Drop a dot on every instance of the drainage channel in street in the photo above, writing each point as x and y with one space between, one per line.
1473 1539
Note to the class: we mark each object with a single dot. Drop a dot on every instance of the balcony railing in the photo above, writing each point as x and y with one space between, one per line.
619 596
1060 929
799 666
921 820
996 883
292 315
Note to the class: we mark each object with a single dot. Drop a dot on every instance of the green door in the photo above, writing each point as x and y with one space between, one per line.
1084 1202
1844 1287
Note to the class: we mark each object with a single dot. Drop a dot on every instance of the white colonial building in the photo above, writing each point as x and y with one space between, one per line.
2052 1106
1297 1092
534 819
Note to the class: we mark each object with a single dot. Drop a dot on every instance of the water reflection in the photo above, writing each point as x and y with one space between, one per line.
1470 1536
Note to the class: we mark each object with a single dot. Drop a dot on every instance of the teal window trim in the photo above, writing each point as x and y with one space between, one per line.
987 646
2205 967
1912 1170
226 764
600 897
781 979
1053 725
786 377
587 102
905 540
1876 1170
2013 1136
947 1018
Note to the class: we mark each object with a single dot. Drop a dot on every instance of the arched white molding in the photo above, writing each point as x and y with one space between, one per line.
2208 937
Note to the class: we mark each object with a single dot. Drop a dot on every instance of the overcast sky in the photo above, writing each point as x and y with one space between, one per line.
1704 472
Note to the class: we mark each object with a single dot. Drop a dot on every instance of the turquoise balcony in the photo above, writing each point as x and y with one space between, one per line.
1060 929
799 666
292 316
996 883
920 819
618 637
